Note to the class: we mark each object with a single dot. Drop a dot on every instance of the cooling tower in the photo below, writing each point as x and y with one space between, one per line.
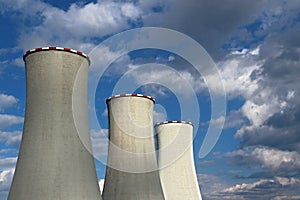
53 163
131 172
176 161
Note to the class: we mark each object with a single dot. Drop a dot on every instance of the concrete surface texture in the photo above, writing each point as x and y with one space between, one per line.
176 161
53 163
131 172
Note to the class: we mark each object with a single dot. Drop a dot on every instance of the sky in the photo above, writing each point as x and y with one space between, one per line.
255 46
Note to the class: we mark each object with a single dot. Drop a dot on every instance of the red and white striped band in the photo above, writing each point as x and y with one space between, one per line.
58 49
130 95
170 122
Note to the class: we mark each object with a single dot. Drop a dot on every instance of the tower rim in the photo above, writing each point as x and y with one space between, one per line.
130 95
174 122
56 48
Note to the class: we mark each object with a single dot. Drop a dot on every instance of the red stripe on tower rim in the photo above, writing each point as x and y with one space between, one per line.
57 49
130 95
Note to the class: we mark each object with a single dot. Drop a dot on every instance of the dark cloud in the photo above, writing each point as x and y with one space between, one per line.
283 138
279 75
281 52
290 118
211 23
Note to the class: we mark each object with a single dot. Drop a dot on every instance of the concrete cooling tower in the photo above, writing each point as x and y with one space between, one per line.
131 172
53 163
176 160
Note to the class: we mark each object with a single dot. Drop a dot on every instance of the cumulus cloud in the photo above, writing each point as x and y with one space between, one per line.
74 27
8 163
259 113
5 181
9 120
181 83
7 101
214 188
233 119
236 72
267 158
12 139
277 188
91 20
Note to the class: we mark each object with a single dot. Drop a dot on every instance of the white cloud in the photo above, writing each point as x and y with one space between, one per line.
247 186
11 138
18 62
278 181
8 163
101 184
9 120
279 188
258 114
234 119
219 122
267 158
171 58
211 185
101 57
100 142
236 74
79 23
255 52
179 82
5 151
159 113
7 101
290 95
159 116
287 181
5 180
285 197
276 159
130 10
105 112
242 52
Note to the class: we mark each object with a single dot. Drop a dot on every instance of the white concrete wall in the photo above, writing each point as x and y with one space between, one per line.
131 173
176 161
53 163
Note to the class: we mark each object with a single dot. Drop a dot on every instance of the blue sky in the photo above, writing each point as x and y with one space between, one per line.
254 44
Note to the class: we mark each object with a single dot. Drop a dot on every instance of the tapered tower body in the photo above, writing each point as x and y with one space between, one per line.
176 160
131 171
53 163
